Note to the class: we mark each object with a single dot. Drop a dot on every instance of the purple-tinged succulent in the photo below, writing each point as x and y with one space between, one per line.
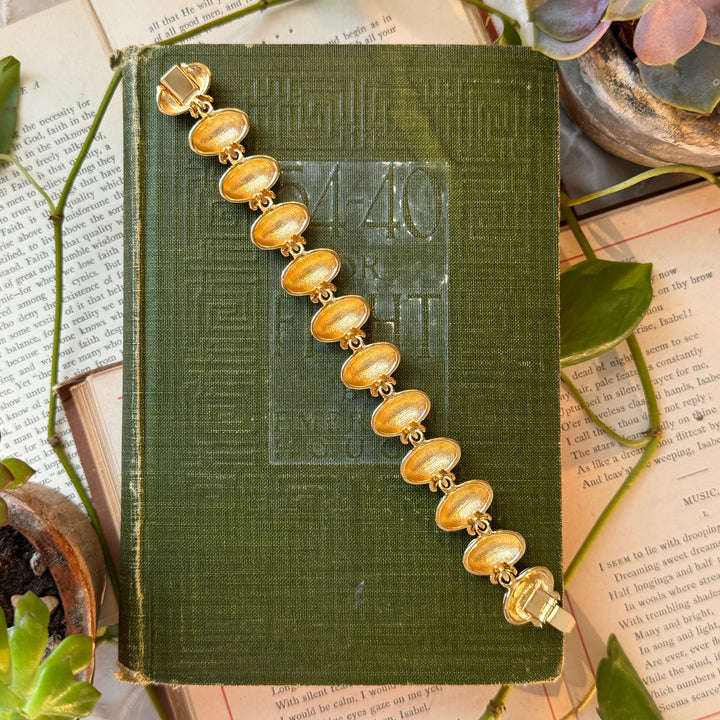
677 42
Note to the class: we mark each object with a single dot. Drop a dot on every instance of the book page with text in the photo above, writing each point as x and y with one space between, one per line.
135 22
62 85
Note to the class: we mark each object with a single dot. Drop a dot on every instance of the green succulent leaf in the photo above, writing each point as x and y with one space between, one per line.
627 9
559 50
4 513
20 471
76 649
57 694
31 604
9 98
669 30
27 640
9 701
620 692
692 83
711 8
4 652
601 303
566 20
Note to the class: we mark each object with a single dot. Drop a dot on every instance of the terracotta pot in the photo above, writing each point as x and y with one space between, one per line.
602 92
66 541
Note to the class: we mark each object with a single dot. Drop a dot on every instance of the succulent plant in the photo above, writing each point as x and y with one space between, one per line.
676 42
35 689
13 474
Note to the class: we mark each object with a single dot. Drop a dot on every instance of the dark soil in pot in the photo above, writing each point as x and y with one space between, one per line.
17 577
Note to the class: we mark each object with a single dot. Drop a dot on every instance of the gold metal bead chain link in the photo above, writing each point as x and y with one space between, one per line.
530 595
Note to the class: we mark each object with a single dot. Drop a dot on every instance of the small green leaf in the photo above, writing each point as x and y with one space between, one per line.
9 98
8 700
4 513
27 640
566 20
620 692
31 604
76 649
601 303
57 694
559 50
692 83
627 9
21 472
4 652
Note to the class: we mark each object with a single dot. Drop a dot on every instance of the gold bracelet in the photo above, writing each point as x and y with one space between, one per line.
529 595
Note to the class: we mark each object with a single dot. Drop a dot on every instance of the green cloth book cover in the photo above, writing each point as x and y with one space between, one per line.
267 536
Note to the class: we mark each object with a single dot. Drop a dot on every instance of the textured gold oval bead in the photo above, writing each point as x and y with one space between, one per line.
456 510
279 225
429 458
502 547
526 583
369 365
242 182
218 131
339 317
398 411
303 275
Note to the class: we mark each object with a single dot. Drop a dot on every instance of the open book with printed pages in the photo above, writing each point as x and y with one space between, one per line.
640 580
56 109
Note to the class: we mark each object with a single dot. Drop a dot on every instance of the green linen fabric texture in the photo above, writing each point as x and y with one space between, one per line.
267 536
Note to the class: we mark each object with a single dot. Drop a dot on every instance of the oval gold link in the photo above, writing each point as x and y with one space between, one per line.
283 223
487 551
311 272
463 504
429 458
401 414
219 131
340 317
249 179
374 364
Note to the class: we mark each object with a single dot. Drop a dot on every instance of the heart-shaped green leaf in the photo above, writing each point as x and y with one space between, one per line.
627 9
20 471
669 30
620 692
601 303
559 50
566 20
9 98
692 83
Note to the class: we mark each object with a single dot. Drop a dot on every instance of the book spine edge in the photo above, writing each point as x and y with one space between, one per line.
131 646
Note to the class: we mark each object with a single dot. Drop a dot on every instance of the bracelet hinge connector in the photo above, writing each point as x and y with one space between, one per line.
545 608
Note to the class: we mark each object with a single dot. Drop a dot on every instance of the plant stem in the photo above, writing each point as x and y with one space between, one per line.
582 705
221 21
610 507
641 177
90 137
29 178
630 442
573 224
494 709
